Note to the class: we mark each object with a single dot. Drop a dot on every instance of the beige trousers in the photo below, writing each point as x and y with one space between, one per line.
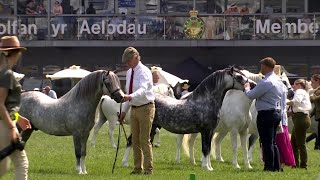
141 123
19 158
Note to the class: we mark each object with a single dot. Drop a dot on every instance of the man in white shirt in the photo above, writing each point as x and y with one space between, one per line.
140 98
48 91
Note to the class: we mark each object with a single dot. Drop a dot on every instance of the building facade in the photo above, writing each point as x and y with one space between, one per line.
94 33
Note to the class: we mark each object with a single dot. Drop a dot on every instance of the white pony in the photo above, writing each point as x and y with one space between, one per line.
235 118
108 109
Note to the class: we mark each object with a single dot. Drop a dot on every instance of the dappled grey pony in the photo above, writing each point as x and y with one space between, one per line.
72 114
199 111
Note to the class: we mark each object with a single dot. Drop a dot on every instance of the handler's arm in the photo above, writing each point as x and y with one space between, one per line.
259 90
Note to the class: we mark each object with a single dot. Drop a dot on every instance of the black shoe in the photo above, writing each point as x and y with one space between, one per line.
306 168
135 172
147 173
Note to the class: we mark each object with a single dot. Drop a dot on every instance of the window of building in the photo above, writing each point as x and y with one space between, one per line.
295 6
182 6
244 6
7 7
272 6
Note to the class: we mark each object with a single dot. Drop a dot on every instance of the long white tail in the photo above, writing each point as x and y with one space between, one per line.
99 113
185 144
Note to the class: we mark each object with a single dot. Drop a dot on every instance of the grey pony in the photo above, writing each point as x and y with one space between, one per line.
199 111
72 114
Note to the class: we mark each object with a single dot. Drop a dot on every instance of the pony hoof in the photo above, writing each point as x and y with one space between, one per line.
237 166
249 167
220 159
83 173
114 146
207 168
157 145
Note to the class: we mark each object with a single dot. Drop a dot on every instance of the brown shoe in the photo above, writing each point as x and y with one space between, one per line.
135 172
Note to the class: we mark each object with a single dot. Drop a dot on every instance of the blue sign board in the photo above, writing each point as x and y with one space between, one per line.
126 3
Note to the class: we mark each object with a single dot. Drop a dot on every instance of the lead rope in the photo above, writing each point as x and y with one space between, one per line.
115 158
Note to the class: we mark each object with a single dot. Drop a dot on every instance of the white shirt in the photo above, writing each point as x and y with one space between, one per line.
52 94
184 92
301 101
142 87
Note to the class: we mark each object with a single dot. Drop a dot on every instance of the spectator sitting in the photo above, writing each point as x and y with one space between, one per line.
51 93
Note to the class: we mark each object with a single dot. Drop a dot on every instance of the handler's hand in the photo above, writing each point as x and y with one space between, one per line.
121 117
246 85
127 98
289 103
24 123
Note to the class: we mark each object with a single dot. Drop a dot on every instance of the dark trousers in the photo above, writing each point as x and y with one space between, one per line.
267 123
301 122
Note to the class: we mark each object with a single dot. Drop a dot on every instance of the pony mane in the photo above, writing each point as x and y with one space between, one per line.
213 80
86 86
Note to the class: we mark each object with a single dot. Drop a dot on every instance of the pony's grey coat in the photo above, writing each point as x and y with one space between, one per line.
199 110
72 114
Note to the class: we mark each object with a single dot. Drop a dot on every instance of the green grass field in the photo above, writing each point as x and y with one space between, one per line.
53 157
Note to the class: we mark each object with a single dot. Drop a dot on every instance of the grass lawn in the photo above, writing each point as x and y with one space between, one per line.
53 157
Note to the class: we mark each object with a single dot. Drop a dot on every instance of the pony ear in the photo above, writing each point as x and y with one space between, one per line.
231 69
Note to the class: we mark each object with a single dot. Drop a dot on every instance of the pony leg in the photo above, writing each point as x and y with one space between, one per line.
157 136
112 126
96 129
243 138
234 142
84 140
179 143
191 148
252 140
217 143
77 148
153 132
125 159
206 137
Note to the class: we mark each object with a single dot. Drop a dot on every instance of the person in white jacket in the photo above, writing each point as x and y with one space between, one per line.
301 122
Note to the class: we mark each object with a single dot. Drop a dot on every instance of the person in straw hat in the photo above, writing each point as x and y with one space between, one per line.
10 91
140 97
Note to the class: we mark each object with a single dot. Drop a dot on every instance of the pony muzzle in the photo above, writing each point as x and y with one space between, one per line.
117 95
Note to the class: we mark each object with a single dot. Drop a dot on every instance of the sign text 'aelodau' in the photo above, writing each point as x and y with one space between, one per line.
102 27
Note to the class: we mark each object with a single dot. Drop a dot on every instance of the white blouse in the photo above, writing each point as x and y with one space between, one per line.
301 101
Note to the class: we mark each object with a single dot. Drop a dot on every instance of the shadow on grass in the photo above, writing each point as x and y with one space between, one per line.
52 171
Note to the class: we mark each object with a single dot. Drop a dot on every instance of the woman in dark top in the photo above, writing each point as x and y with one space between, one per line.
10 91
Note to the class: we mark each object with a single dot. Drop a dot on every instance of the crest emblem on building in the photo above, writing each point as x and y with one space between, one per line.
194 26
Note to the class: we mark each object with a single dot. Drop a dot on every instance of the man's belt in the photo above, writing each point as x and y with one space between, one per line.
142 105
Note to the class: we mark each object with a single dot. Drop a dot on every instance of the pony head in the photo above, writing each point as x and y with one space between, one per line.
111 86
236 79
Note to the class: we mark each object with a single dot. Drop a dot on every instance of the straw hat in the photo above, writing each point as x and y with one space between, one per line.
155 69
10 42
185 85
277 70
